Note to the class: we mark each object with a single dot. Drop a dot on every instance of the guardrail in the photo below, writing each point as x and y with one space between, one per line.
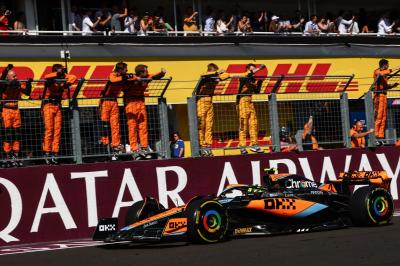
181 33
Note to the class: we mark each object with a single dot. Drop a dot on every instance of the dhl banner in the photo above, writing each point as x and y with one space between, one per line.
185 73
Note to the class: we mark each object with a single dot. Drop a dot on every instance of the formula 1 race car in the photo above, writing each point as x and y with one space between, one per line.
286 203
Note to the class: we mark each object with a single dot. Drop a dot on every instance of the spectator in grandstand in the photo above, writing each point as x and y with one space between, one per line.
146 24
357 136
135 109
353 28
311 27
177 146
159 25
131 22
209 25
288 144
105 20
244 25
88 27
10 94
345 23
247 113
75 19
396 26
4 16
190 21
384 26
363 20
380 99
51 110
205 109
222 24
325 25
309 138
259 21
115 20
109 111
297 22
19 23
274 25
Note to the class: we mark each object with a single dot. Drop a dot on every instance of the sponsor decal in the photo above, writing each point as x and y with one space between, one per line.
280 203
290 183
107 227
316 192
150 224
175 226
244 230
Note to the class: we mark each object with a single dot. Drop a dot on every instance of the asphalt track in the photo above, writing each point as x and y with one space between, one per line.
351 246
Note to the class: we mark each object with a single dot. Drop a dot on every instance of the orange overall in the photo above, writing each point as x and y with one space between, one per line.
11 115
306 137
247 112
135 110
51 111
380 101
109 112
356 142
205 109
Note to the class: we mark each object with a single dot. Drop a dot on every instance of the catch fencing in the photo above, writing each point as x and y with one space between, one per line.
81 127
281 104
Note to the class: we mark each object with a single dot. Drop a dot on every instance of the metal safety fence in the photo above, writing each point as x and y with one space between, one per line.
69 129
268 113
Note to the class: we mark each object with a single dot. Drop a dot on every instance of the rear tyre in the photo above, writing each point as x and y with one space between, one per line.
207 221
371 206
142 209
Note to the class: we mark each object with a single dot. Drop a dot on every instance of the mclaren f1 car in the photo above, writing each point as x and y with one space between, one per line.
286 203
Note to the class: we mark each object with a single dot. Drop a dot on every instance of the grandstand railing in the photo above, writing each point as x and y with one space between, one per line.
4 33
80 131
281 101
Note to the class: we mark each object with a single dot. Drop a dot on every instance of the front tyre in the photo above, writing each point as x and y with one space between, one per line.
207 221
371 206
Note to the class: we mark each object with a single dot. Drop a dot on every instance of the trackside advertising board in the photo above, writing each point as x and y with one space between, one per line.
185 73
53 203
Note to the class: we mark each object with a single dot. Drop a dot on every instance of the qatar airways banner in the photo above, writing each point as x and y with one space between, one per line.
50 203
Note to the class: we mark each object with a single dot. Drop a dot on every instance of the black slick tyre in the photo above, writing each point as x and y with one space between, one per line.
371 206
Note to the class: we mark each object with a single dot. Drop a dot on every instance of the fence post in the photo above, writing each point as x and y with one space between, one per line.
76 134
164 130
369 115
344 111
274 122
193 126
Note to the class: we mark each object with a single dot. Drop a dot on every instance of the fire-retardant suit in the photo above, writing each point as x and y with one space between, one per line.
135 107
205 109
52 110
247 113
380 101
10 94
109 111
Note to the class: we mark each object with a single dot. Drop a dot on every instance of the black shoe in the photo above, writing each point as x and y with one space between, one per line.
47 159
243 151
54 159
379 143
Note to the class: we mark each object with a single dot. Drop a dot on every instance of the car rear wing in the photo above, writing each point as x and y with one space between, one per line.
376 178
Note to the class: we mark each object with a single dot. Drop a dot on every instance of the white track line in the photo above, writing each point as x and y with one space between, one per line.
55 246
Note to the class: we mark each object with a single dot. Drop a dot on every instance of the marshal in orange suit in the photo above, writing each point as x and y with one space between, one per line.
135 108
51 110
380 97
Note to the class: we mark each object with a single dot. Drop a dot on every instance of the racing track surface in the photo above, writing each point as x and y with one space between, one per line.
352 246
